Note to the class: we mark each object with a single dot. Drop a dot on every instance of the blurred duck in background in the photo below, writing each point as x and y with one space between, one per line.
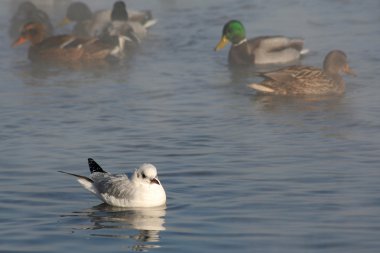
64 48
89 24
305 80
28 12
122 25
259 50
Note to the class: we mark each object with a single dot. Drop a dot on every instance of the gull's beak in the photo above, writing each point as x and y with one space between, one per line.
222 43
19 41
155 181
346 69
64 22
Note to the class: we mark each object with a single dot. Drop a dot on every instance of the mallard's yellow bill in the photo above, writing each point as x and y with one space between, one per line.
64 22
222 43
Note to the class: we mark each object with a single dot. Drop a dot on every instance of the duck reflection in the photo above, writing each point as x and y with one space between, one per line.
142 225
279 104
326 115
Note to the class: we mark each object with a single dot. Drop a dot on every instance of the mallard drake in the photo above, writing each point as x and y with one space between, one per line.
122 25
89 24
28 12
260 50
63 48
305 80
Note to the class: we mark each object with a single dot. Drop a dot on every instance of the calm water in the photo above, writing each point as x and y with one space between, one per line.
243 173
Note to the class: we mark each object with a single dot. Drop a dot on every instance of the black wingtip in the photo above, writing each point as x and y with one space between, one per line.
94 167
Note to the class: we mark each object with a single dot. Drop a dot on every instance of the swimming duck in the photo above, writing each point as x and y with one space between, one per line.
63 48
260 50
28 12
122 25
89 24
305 80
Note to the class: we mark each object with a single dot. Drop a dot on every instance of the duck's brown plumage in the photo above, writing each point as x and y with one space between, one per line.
61 48
306 80
28 12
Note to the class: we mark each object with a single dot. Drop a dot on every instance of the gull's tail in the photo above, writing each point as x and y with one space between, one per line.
86 182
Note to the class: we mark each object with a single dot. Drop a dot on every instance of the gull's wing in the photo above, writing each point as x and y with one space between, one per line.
118 186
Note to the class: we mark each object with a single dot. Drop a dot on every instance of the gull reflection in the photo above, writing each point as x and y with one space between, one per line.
141 225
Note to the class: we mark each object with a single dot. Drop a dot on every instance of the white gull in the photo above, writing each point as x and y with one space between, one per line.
143 189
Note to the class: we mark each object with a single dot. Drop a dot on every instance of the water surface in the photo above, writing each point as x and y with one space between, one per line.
242 172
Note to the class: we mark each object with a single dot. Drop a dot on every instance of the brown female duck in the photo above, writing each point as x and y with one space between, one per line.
28 12
305 80
63 48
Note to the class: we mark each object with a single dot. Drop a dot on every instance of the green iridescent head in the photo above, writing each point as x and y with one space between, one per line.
233 31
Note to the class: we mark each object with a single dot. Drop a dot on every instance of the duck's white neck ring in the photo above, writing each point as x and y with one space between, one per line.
241 42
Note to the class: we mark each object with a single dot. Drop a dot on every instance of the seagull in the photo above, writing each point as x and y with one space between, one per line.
143 189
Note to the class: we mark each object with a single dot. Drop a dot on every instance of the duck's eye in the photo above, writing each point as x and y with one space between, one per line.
31 32
143 175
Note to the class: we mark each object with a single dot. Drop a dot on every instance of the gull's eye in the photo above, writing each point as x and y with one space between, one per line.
143 175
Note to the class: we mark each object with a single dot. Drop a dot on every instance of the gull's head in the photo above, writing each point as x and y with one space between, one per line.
147 173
